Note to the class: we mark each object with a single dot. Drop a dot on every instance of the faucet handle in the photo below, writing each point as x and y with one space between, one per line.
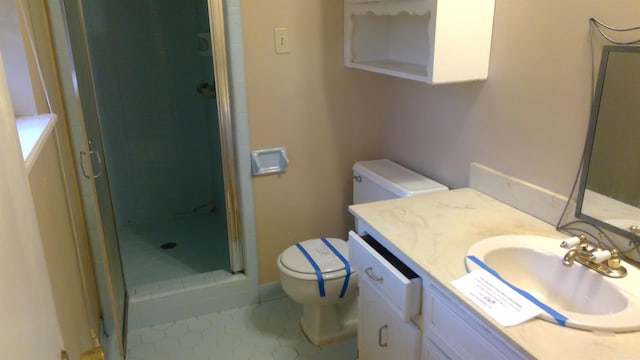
598 256
614 261
616 269
573 242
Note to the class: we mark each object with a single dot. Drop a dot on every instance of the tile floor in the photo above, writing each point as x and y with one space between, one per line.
200 247
269 331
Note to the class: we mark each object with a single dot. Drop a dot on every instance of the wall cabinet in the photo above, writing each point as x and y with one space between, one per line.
433 41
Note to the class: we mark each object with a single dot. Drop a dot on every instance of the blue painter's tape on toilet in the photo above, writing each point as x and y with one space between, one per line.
315 267
346 266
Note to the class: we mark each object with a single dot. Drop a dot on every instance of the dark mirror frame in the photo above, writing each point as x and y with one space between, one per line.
593 121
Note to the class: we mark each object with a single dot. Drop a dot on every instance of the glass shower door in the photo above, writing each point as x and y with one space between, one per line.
94 187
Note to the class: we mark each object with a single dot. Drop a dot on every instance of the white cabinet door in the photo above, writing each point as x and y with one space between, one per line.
431 351
382 333
452 331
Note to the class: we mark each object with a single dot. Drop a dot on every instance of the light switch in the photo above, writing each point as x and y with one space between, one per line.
281 39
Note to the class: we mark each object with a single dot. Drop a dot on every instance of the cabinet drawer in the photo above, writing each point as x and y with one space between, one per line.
387 274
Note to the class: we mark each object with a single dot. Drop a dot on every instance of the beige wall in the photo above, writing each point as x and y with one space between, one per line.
29 327
326 115
13 48
529 119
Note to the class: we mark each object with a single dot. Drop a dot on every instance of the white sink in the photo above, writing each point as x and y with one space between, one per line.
588 300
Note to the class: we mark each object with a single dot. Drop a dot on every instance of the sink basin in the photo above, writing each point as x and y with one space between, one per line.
588 300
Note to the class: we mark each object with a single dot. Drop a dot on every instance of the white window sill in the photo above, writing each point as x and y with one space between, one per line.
33 132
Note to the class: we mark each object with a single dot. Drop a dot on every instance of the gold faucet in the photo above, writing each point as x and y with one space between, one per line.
604 261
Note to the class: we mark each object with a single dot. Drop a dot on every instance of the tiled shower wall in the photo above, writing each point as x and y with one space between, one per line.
160 135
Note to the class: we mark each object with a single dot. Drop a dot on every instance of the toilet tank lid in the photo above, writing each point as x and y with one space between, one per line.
294 260
396 178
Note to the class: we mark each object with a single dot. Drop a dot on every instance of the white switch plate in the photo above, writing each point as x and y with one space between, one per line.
281 39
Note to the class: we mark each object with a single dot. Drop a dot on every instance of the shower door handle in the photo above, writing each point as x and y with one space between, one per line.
91 153
207 90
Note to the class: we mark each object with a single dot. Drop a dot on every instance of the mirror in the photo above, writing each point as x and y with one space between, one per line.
609 192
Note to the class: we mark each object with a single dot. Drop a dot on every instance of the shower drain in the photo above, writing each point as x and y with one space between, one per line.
168 245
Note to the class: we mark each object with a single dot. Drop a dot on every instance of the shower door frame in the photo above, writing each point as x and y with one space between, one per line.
217 29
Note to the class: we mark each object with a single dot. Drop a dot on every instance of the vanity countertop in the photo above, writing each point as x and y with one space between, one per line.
434 231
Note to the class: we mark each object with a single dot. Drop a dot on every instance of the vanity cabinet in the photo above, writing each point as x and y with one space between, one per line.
407 315
452 331
389 297
382 334
432 41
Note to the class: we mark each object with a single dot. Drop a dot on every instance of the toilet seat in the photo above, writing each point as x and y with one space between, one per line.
295 263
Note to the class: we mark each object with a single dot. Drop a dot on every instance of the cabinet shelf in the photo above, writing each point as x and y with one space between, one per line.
433 41
394 68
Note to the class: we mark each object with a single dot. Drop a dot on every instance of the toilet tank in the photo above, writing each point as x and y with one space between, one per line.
384 179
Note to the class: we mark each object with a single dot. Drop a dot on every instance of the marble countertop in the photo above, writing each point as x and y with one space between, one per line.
433 232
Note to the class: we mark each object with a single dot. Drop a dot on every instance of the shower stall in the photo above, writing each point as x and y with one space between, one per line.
151 64
162 157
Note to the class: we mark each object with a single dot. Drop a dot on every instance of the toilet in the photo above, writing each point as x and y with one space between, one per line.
316 273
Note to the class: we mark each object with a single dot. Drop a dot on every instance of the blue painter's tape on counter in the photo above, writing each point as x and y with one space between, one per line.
559 318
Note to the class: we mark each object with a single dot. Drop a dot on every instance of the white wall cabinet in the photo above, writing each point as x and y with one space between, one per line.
433 41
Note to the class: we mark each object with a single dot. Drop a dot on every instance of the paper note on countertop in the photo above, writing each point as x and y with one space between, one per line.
496 298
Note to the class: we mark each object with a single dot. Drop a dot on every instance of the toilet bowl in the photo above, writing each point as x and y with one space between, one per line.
316 274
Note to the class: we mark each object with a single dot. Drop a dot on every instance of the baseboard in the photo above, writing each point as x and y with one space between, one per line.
271 291
522 195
